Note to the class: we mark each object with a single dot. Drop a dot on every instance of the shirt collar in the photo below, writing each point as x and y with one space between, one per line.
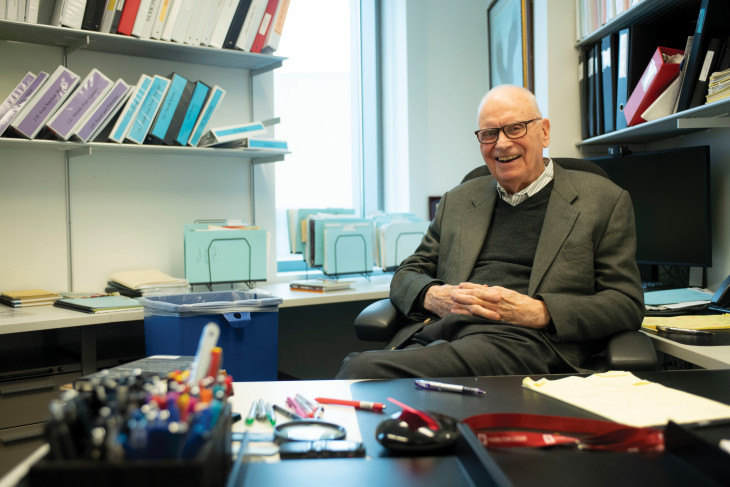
534 187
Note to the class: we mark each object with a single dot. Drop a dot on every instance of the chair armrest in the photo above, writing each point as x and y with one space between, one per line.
378 322
631 350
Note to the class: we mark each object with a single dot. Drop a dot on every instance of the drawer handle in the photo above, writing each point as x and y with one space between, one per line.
27 388
29 434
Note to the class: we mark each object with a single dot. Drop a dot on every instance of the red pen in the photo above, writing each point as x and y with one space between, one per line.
372 406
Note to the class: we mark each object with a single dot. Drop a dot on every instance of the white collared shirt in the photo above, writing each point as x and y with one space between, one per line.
542 181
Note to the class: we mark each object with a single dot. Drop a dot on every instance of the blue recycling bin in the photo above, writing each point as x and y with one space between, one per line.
248 322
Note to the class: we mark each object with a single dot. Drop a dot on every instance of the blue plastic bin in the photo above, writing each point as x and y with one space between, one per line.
248 321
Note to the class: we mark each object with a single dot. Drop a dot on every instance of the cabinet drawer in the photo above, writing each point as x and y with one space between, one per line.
26 401
16 444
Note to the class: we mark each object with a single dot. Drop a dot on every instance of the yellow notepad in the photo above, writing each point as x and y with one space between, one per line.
690 322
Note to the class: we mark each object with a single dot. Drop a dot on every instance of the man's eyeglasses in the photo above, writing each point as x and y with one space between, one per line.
511 131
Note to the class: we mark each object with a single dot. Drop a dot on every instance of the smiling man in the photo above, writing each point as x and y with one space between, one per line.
529 270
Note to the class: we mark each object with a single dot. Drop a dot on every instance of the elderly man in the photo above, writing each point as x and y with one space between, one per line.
528 270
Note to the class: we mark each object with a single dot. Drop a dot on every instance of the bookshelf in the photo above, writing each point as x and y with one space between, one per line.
668 14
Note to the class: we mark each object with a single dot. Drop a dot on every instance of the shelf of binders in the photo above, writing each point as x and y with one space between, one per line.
82 149
73 39
712 115
643 11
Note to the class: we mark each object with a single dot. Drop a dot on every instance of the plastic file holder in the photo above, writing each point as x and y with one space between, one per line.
224 256
347 248
398 240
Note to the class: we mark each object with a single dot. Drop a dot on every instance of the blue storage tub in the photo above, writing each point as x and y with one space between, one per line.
248 321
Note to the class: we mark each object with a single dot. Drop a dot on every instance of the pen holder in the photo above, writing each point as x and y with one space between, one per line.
210 467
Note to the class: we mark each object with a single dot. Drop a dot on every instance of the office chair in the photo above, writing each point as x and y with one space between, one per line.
628 350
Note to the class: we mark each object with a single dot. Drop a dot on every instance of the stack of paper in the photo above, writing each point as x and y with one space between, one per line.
719 87
28 297
146 282
689 322
320 285
677 298
624 398
100 304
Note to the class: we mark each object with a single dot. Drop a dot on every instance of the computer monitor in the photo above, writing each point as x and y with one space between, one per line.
670 191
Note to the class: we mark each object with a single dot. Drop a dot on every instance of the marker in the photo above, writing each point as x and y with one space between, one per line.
286 412
252 412
201 363
430 385
684 331
369 405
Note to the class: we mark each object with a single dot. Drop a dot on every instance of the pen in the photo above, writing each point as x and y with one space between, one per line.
286 412
442 386
296 407
686 331
372 406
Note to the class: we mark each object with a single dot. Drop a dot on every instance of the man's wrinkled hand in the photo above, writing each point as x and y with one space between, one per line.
499 304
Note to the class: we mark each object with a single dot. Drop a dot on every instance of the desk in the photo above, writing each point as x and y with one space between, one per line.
522 466
709 357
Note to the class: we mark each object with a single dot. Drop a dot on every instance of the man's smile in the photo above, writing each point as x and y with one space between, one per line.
506 159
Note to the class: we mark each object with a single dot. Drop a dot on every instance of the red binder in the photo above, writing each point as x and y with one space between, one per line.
129 13
657 76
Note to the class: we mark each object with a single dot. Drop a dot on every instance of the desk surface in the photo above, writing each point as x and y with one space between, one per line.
17 320
504 394
709 357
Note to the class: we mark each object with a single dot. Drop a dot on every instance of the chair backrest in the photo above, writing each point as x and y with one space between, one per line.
564 162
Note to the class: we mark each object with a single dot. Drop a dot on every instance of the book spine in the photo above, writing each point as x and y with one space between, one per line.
128 17
68 116
267 144
272 40
102 111
108 16
32 8
73 14
37 112
148 110
211 105
167 109
251 25
93 14
223 22
172 15
222 135
15 95
191 115
234 29
182 22
131 109
141 18
160 19
179 114
263 31
27 94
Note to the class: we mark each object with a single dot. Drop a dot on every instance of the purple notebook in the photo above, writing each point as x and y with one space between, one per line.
78 104
9 115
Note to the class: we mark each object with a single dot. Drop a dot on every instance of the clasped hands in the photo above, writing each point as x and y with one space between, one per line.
491 302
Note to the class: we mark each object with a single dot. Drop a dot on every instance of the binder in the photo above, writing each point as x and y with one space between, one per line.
264 143
142 27
215 256
272 40
164 117
231 134
103 112
711 22
159 21
590 114
210 106
711 57
180 112
347 248
657 76
266 25
93 14
598 81
68 13
236 23
197 100
17 92
182 21
583 93
32 8
251 24
223 22
108 15
130 110
609 61
26 95
117 16
68 117
622 78
172 15
45 102
211 17
198 21
148 109
128 16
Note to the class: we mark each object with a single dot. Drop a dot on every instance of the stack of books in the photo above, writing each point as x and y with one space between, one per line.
320 285
100 304
248 25
146 282
28 297
719 86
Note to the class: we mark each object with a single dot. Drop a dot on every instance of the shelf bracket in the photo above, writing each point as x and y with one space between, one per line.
76 44
79 152
703 123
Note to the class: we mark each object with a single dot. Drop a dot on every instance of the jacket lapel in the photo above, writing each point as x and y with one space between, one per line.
474 226
559 220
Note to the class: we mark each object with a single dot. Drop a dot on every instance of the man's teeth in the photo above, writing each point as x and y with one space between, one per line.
507 159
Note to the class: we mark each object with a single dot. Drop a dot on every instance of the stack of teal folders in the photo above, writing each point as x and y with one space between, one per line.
297 220
224 253
339 244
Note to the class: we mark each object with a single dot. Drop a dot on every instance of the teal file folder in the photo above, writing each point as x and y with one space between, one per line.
216 256
315 236
295 217
347 248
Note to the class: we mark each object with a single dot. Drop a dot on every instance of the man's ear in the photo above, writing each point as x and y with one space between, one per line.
545 132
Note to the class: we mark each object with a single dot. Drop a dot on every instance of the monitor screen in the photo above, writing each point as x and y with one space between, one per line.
670 191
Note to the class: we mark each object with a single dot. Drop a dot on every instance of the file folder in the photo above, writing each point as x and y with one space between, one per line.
220 256
657 76
622 78
315 236
347 248
296 220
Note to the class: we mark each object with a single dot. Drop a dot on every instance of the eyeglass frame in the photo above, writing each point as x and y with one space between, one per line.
501 129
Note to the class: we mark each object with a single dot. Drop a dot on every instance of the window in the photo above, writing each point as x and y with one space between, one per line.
317 93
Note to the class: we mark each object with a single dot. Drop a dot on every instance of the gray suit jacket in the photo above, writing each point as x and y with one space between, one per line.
584 269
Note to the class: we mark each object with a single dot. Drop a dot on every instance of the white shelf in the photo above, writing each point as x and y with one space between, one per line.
38 318
82 149
709 357
73 39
